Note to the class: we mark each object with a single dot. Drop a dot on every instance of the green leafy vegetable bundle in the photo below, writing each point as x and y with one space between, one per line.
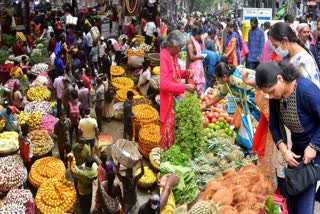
186 189
175 156
189 134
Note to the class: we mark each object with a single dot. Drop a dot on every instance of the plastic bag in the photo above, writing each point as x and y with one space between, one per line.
260 136
237 117
245 134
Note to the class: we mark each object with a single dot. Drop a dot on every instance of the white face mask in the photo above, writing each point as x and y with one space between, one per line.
154 206
280 52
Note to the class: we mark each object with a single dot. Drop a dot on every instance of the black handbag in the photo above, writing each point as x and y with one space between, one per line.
301 177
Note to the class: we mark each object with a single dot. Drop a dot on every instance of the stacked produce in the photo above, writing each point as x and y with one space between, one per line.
122 82
45 169
18 197
8 142
209 207
214 114
116 70
156 70
33 119
11 176
38 92
186 189
145 113
219 129
56 196
42 79
155 81
189 126
39 68
38 106
149 138
148 179
139 38
145 47
41 142
13 208
11 159
154 157
139 52
121 94
47 122
237 190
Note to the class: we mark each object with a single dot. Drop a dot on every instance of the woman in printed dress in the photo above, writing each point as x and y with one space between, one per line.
170 85
195 58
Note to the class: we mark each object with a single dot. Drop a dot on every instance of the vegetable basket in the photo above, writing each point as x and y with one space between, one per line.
149 138
126 153
148 180
154 59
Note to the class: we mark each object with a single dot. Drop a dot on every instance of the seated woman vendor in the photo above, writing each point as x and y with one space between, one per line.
16 70
229 75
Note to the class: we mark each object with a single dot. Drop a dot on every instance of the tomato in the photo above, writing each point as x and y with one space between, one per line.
216 114
228 119
214 120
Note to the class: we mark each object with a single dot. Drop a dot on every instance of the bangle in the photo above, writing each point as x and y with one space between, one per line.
314 147
284 153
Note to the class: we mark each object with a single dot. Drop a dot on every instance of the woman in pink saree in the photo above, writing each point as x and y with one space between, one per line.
170 85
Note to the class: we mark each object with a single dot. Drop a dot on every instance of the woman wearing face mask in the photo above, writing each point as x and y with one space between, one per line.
296 101
195 58
233 45
288 46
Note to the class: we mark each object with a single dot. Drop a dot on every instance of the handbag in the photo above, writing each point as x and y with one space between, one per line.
301 177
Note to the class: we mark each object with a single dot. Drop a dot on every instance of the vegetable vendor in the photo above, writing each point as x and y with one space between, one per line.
230 77
12 123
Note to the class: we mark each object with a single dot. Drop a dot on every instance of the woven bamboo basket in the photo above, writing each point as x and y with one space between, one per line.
144 185
149 138
154 59
126 153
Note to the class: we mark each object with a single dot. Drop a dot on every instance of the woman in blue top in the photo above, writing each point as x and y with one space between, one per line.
295 101
10 119
229 75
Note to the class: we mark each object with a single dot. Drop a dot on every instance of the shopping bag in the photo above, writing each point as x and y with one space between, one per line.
260 136
245 134
237 117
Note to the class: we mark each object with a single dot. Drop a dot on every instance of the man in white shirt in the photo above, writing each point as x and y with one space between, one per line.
89 42
266 28
149 29
59 86
102 47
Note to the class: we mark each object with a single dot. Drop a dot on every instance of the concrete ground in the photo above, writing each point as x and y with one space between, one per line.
115 129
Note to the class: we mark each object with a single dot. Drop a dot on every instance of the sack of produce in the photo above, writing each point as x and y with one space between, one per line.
45 169
122 82
154 157
126 153
38 92
43 107
56 196
118 110
42 143
11 176
8 143
135 61
39 68
148 179
149 138
42 79
17 199
47 122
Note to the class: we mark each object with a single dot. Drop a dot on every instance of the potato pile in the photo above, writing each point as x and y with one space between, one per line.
45 169
56 196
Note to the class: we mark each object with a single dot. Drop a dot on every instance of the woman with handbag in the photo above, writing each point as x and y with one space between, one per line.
295 103
170 85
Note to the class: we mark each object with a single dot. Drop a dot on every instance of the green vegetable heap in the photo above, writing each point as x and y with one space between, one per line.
189 134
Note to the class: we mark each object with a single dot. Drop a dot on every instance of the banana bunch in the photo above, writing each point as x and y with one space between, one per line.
42 143
8 142
38 92
56 196
122 82
121 94
44 169
33 119
154 157
156 70
145 113
116 70
148 177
